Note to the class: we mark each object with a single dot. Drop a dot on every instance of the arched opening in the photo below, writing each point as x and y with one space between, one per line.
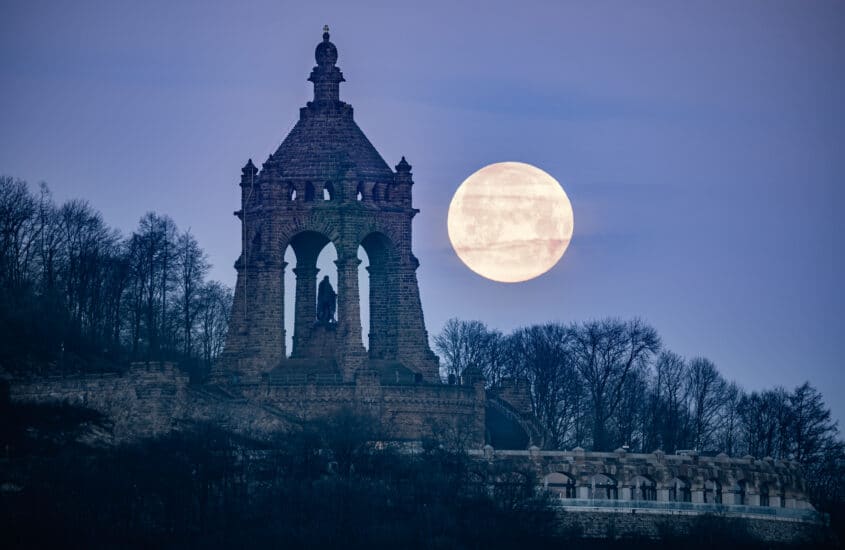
603 487
679 490
291 192
643 488
309 257
559 484
378 280
364 295
359 193
309 191
764 495
712 492
740 492
328 191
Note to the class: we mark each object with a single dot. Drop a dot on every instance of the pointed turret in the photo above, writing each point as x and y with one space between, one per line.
403 182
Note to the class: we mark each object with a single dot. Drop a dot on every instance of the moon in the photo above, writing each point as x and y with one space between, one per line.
510 222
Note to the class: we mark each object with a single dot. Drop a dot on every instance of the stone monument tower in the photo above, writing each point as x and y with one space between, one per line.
326 183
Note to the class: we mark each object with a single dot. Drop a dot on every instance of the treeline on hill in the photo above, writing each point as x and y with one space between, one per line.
606 384
76 295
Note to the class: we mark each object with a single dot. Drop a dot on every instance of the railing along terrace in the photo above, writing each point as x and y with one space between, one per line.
697 507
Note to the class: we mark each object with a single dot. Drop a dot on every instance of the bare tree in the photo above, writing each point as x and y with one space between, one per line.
605 353
671 420
765 420
193 266
215 301
812 429
728 435
705 389
464 344
542 354
17 210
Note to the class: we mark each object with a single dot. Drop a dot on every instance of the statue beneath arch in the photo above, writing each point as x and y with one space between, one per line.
326 302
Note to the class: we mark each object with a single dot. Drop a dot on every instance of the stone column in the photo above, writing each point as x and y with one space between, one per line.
351 346
412 339
305 310
383 305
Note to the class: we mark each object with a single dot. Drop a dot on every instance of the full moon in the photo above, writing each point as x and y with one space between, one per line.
510 222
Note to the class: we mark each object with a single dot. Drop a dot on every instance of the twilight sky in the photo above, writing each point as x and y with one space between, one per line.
702 145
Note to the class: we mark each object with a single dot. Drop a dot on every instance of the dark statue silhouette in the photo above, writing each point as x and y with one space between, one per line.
326 302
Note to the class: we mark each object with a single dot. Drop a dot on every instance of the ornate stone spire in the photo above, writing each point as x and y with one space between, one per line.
403 166
249 169
326 76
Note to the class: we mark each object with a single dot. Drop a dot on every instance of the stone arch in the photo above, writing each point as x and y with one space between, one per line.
559 484
305 224
739 492
763 492
643 488
679 490
712 491
328 192
603 487
383 297
307 246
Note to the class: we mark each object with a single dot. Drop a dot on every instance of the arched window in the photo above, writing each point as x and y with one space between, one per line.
643 488
679 490
712 492
764 495
309 192
328 191
740 492
291 192
560 485
360 191
603 487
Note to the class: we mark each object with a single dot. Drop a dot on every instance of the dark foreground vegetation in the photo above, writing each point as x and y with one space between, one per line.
328 485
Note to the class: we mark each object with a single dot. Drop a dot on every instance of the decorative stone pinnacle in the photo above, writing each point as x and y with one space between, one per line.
249 168
403 166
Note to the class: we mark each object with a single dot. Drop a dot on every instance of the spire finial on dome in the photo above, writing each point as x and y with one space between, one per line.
326 76
326 53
